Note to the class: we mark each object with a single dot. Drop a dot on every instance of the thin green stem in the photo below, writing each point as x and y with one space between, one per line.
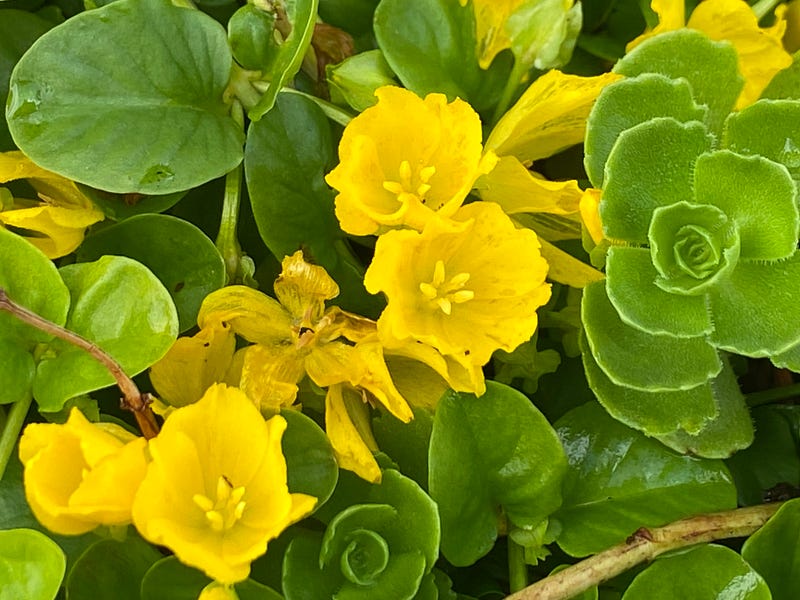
773 395
335 113
645 545
514 79
517 567
242 87
764 7
14 422
227 239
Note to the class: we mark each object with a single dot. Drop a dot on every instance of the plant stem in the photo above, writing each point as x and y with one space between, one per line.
517 568
132 400
227 240
763 7
771 395
11 429
646 544
514 79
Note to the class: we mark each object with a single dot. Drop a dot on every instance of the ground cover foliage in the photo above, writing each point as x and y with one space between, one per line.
405 299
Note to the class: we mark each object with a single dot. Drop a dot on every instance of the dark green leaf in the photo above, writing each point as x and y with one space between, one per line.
515 462
31 565
406 443
118 207
619 480
177 252
128 113
250 33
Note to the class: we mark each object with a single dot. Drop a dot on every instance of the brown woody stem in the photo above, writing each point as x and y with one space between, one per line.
132 399
644 545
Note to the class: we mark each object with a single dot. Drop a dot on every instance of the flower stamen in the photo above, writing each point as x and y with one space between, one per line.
228 507
445 294
407 186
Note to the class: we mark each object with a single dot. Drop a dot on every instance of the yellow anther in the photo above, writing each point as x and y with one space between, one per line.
438 273
426 173
444 295
227 508
463 296
428 290
445 305
393 187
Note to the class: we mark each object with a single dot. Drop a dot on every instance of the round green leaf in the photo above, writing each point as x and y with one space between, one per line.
710 67
118 207
128 113
31 565
704 572
625 104
772 551
650 165
119 305
31 280
310 463
178 253
250 33
515 461
619 480
111 569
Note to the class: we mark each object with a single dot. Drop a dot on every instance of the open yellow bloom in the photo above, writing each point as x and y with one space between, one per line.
80 475
406 159
760 50
58 220
466 286
215 492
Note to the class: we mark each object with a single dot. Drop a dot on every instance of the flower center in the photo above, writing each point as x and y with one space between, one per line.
226 508
446 293
413 184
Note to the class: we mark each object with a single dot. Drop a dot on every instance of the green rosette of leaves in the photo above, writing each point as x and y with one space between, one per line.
699 206
382 547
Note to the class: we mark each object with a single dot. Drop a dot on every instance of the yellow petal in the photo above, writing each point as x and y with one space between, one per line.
250 313
377 380
518 190
270 378
565 268
490 20
671 16
193 364
55 230
590 214
761 53
303 288
418 383
549 117
59 190
350 450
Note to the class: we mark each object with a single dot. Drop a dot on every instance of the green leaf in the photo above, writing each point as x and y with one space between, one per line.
619 480
302 16
758 194
650 165
128 113
292 205
770 461
118 207
755 311
111 569
251 36
639 360
354 16
631 288
543 33
711 68
627 103
769 128
406 443
17 371
785 84
356 78
31 565
186 262
18 30
117 304
772 551
708 571
31 280
515 461
310 463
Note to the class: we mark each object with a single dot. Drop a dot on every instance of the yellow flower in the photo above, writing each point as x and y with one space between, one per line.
57 220
466 286
406 159
760 50
215 492
80 475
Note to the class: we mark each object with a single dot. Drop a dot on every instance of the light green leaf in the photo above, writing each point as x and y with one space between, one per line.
650 165
772 551
768 128
543 33
17 370
627 103
643 361
758 195
302 16
708 571
755 311
619 480
631 287
128 113
356 78
178 253
251 36
711 68
31 565
406 443
786 83
117 304
515 460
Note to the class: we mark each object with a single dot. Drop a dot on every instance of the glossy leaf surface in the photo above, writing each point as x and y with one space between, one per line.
31 565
